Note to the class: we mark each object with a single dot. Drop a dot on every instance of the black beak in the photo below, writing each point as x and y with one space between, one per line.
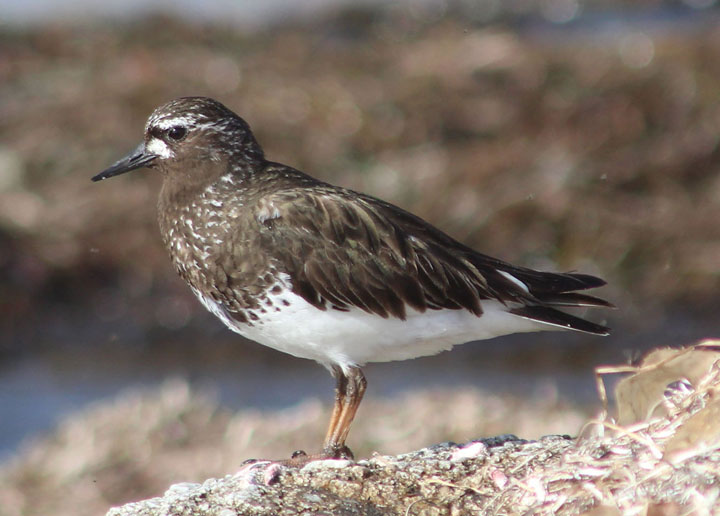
136 159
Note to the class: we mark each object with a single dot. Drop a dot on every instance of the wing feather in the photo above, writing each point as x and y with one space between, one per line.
344 250
353 254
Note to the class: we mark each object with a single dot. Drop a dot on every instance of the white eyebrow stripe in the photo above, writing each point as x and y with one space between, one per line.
159 148
167 123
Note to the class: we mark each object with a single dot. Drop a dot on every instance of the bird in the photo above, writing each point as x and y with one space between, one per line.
323 272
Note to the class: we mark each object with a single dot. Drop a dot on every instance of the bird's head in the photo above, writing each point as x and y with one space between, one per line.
191 136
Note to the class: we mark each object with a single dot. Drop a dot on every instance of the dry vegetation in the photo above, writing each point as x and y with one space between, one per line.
556 150
139 445
142 443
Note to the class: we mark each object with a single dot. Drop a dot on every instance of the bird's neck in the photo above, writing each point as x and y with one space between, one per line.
200 209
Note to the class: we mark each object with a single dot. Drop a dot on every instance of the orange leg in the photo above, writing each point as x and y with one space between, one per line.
341 382
349 391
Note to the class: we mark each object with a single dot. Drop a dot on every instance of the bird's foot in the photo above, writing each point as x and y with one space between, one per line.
299 458
340 452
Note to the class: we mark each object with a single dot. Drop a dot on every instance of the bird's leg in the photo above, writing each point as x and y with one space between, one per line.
348 395
349 390
341 383
355 392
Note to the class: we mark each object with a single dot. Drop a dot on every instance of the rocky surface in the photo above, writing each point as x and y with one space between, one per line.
138 445
667 464
443 479
503 475
133 448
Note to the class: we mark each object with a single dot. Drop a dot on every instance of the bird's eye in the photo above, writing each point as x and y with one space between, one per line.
177 133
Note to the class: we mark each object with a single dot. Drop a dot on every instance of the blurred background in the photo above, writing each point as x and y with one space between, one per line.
557 134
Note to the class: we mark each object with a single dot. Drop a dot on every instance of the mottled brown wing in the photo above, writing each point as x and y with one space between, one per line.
344 250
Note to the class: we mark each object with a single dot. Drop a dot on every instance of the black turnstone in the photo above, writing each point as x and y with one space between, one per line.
323 272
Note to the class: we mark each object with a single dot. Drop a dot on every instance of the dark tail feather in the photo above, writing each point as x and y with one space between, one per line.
554 282
585 280
572 299
541 292
548 315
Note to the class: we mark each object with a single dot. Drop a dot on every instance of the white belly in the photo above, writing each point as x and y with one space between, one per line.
333 337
